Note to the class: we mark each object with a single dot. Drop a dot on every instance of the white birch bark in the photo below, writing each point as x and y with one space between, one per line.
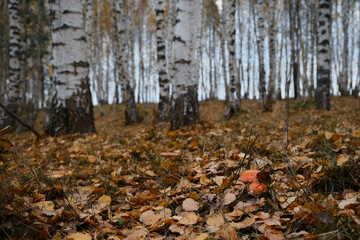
272 56
184 104
343 78
72 109
233 104
322 96
260 43
164 81
127 89
13 93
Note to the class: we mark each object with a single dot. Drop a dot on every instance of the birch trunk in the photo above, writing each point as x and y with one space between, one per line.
272 56
164 81
322 96
13 97
72 109
184 104
233 104
260 43
343 78
127 89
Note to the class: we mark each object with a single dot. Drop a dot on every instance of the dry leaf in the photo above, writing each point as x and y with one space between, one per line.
328 135
79 236
229 198
45 205
342 159
228 232
189 219
174 228
190 205
345 203
356 133
149 218
237 213
60 173
216 220
202 236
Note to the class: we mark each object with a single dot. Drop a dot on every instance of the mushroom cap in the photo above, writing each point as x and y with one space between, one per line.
257 188
249 176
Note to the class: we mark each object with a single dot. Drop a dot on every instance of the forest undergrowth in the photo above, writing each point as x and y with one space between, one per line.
144 181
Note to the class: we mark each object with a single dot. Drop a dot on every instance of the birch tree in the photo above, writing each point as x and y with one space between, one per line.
343 78
233 104
13 96
322 95
260 43
72 109
128 95
164 81
272 56
184 104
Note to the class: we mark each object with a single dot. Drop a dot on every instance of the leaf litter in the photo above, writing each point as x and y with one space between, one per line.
147 182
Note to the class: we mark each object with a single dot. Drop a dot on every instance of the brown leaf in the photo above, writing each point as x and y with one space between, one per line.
341 160
229 198
190 205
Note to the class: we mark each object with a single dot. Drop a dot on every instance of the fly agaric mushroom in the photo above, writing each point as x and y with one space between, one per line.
255 187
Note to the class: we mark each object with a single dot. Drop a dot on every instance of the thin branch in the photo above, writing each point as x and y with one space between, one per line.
27 125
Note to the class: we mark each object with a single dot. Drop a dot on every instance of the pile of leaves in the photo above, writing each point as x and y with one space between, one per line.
147 182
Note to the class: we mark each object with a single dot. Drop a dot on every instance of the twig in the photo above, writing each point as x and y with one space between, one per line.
13 115
5 232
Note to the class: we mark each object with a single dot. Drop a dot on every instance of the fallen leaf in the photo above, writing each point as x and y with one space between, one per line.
79 236
190 205
328 135
149 218
202 236
229 198
342 159
45 205
189 219
216 220
174 228
345 203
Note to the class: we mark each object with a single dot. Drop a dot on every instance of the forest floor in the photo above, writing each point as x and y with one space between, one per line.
146 182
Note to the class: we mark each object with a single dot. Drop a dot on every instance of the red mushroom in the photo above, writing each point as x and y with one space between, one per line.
249 176
257 188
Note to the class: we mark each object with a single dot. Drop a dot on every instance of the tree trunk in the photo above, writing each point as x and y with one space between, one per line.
261 51
13 97
233 104
127 88
322 96
272 56
72 109
343 78
164 81
184 103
